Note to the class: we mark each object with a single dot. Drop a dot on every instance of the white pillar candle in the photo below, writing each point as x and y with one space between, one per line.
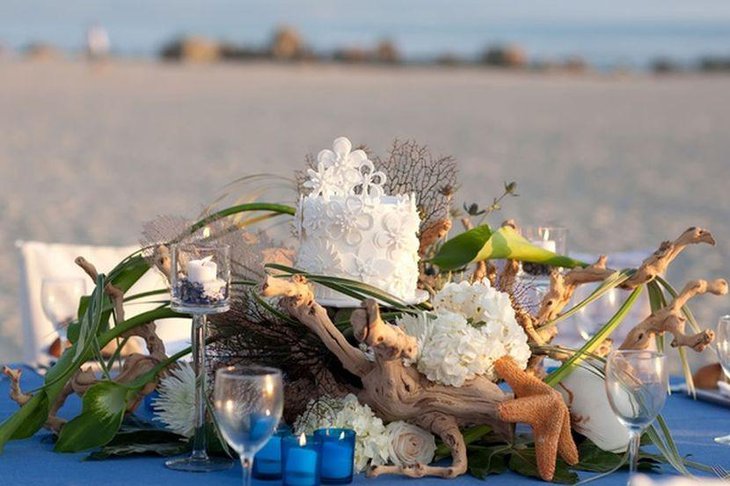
548 245
202 271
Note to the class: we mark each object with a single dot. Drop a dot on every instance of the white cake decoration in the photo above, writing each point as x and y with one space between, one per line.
350 228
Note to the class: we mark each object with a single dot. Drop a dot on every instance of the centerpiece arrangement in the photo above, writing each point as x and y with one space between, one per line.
380 324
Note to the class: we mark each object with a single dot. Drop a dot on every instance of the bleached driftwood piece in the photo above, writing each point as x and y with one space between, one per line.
398 392
671 319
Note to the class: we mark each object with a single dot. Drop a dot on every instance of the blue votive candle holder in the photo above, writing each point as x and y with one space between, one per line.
338 455
267 462
300 459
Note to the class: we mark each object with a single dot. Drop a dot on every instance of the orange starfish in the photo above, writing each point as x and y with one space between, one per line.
543 408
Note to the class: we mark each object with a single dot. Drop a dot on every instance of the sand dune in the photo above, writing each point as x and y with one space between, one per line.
87 155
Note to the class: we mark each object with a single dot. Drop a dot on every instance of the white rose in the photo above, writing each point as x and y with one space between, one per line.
409 444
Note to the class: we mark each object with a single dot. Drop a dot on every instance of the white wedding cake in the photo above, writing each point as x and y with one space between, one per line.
348 227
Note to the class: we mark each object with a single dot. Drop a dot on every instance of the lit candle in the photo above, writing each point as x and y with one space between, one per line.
338 455
301 461
548 245
202 271
267 462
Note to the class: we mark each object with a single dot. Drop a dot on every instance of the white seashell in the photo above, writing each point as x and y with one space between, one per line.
591 414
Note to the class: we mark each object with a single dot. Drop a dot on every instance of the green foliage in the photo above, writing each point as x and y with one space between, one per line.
589 347
481 243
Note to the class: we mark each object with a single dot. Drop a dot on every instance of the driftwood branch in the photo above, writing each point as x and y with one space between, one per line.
657 263
395 391
671 319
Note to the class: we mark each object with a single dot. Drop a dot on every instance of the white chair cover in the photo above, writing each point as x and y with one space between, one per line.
40 260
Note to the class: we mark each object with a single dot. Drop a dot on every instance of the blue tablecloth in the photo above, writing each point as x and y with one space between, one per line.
33 462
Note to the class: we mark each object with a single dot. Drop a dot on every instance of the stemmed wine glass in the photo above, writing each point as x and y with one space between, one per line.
248 401
636 385
722 344
60 298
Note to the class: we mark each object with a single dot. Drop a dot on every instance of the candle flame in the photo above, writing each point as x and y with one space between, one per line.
268 386
268 412
302 440
206 232
342 435
546 235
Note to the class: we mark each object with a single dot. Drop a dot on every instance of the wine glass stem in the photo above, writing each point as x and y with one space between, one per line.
246 465
198 342
634 443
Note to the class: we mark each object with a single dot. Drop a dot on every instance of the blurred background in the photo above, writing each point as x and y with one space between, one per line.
612 117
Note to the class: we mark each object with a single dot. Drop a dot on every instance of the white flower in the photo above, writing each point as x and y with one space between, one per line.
175 406
455 352
347 219
324 180
320 257
371 445
398 233
488 309
409 444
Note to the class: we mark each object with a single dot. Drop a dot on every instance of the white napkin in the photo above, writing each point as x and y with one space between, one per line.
724 388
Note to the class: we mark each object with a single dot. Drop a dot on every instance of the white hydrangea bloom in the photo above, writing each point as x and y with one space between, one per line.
472 327
372 442
488 309
175 407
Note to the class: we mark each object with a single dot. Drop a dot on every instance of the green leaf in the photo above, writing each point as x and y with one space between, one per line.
102 412
481 243
490 460
595 459
273 208
524 462
164 449
567 367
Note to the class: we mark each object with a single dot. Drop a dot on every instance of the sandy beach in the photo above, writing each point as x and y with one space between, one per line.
624 161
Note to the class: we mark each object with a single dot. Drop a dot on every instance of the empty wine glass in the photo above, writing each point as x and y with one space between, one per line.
722 344
636 385
248 404
60 298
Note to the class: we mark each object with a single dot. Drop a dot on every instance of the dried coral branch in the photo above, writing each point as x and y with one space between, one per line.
432 234
670 319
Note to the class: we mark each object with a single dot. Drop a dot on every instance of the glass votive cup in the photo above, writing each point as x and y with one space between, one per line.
338 455
550 238
267 462
300 460
201 278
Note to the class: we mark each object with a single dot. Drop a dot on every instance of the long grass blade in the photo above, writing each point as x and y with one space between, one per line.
556 376
270 207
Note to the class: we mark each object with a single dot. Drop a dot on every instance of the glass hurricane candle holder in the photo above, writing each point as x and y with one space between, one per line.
338 455
300 460
550 238
267 462
200 279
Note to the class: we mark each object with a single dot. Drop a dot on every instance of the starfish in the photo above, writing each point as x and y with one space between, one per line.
540 406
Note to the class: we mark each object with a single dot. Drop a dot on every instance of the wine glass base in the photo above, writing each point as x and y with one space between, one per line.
195 464
725 440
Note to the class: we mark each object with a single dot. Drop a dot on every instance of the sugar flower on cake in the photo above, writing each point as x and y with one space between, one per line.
397 232
342 172
322 255
175 407
347 219
369 270
409 444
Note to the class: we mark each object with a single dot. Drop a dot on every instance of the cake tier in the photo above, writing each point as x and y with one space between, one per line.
372 240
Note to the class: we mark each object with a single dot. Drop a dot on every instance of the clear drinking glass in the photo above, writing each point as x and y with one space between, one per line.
60 298
636 385
201 278
248 404
722 344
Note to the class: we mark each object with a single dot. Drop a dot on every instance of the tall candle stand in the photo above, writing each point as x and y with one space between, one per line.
200 286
